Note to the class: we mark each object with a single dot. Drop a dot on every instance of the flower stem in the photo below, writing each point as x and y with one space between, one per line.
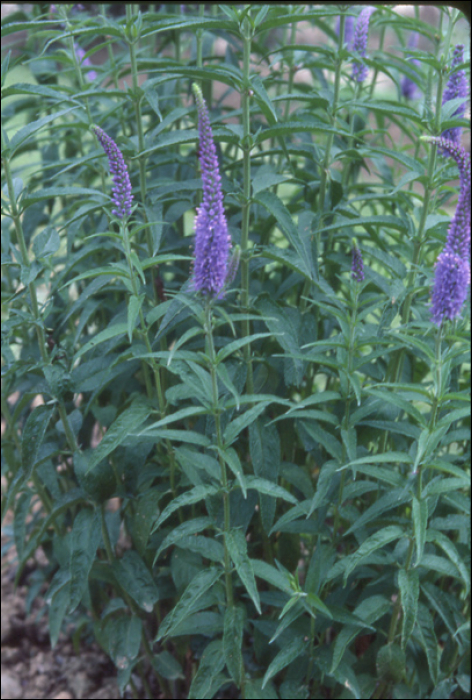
245 107
327 156
219 441
347 411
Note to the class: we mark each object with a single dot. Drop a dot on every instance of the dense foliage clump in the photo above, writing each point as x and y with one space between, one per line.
235 360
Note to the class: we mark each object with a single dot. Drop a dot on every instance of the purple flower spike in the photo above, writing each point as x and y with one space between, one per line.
80 53
456 87
359 45
357 267
452 271
408 87
212 240
451 281
121 192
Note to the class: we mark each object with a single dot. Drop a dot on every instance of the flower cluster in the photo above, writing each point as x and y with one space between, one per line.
357 267
80 53
456 87
359 44
121 192
408 87
452 271
212 240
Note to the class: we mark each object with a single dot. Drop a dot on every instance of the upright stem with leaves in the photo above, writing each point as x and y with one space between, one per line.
246 33
220 446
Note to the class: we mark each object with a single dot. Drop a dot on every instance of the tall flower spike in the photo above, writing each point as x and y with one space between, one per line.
456 87
357 267
121 192
408 87
212 240
452 270
359 44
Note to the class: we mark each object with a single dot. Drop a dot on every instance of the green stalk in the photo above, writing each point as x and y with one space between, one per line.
396 615
199 36
246 33
137 98
327 155
396 362
219 440
145 335
111 556
351 346
154 366
376 71
16 216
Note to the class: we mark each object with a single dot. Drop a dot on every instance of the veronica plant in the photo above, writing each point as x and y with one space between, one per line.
235 374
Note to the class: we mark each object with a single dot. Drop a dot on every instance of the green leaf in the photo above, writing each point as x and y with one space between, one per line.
186 499
167 666
420 523
324 438
228 349
391 499
269 489
119 430
205 546
272 575
123 637
32 437
208 679
208 623
325 480
231 458
173 418
450 550
389 108
234 428
188 603
264 449
134 577
58 594
23 134
255 692
85 539
430 643
110 332
409 584
263 99
391 663
46 243
146 512
372 544
237 548
399 402
370 610
232 641
134 306
445 485
189 436
286 655
185 529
